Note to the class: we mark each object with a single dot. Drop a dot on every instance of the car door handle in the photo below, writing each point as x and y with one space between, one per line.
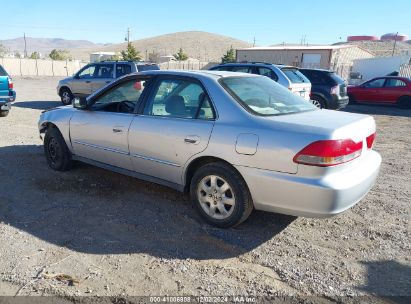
116 130
192 139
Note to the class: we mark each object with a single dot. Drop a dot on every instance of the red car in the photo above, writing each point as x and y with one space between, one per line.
385 90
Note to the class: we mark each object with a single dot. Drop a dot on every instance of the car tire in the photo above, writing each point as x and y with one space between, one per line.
404 102
66 96
4 113
319 102
216 187
57 153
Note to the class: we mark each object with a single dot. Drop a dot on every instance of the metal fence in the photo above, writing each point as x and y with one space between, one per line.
405 70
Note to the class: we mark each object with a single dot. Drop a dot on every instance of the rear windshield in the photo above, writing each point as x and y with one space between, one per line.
336 78
3 72
295 75
147 67
263 96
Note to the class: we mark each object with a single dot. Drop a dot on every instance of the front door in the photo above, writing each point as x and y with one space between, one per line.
81 82
370 91
175 125
101 132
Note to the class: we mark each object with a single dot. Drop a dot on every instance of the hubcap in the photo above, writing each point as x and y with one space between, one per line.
66 97
316 103
216 197
54 150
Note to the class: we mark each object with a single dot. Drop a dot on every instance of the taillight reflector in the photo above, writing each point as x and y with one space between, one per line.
325 153
371 140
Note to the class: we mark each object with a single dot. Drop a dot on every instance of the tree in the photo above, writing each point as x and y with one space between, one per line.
17 54
116 57
35 55
59 54
131 53
181 56
229 56
154 57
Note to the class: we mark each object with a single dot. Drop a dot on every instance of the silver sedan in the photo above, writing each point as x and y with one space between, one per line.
235 142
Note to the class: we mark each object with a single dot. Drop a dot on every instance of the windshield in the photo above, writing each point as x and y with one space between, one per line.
263 96
295 75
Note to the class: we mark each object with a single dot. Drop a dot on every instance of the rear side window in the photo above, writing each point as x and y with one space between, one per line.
147 67
122 69
104 71
267 72
241 69
263 96
3 72
294 75
395 83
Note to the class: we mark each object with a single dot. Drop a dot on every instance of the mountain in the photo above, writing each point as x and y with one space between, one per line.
200 45
45 45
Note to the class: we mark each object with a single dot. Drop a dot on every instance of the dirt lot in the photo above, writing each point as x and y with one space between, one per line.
93 232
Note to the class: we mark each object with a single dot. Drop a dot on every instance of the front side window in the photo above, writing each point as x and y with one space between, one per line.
179 98
391 83
263 96
377 83
87 72
123 98
104 71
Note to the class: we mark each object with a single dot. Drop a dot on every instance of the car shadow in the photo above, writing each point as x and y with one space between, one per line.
92 210
377 110
37 105
388 279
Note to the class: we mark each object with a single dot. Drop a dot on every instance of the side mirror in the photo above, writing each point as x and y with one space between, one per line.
80 103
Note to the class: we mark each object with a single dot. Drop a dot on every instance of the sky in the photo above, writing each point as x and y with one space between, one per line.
267 21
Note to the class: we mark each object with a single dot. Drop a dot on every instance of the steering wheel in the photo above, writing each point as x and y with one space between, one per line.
125 106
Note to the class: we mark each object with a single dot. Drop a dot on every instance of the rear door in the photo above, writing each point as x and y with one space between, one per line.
103 75
81 82
176 124
4 82
393 89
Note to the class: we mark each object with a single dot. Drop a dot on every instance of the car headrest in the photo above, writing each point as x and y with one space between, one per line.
175 106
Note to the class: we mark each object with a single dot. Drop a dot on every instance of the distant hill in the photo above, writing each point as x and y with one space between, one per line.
46 45
200 45
383 48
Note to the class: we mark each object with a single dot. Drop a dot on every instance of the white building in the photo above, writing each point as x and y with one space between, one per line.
101 56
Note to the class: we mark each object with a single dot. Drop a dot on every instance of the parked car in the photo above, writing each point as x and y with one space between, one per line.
288 76
96 75
384 90
328 90
7 93
236 142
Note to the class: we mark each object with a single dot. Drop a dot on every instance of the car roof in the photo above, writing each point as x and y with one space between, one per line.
197 73
280 66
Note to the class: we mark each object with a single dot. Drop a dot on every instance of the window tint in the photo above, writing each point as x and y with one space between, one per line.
241 69
267 72
395 83
294 75
316 77
179 98
104 71
147 67
263 96
129 91
122 69
88 72
377 83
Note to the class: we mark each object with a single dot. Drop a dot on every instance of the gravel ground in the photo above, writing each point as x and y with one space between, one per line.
93 232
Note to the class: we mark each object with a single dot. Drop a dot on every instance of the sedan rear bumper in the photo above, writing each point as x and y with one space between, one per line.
312 196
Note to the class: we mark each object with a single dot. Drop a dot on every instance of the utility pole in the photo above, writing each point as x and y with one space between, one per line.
127 38
395 43
254 42
25 46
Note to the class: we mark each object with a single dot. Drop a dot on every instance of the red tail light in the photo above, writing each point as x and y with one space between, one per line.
10 85
325 153
371 140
